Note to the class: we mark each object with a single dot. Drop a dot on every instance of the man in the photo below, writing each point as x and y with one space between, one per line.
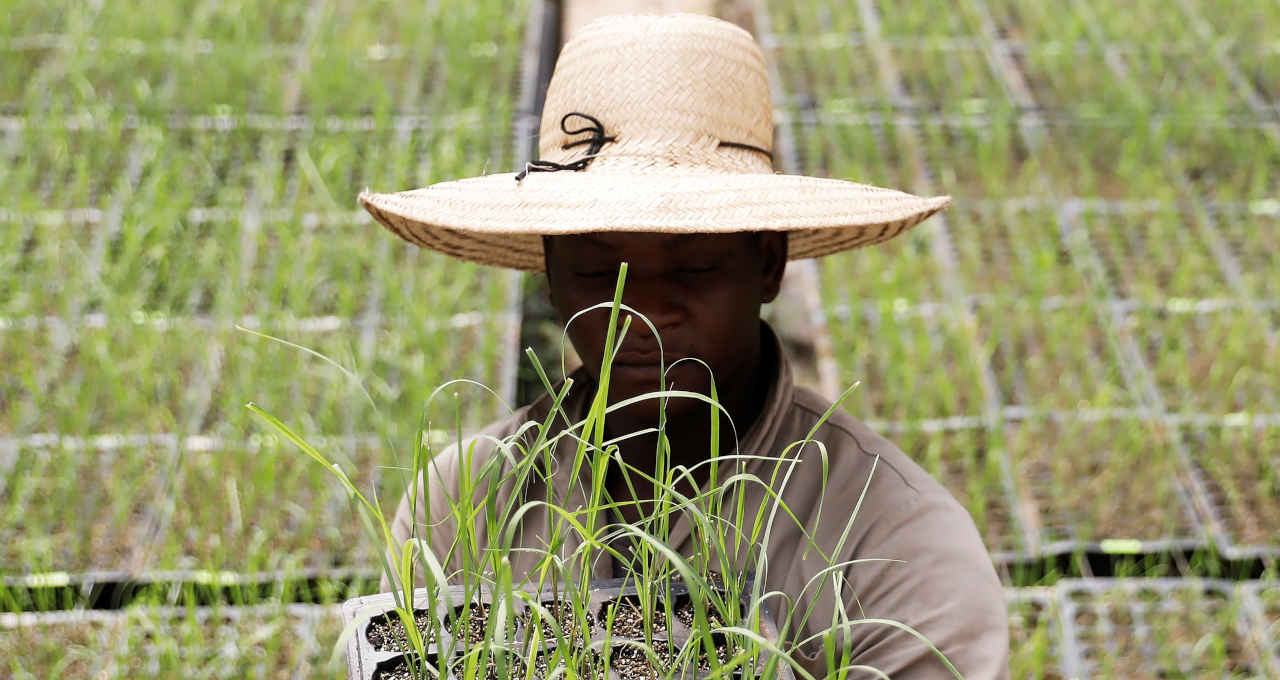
655 147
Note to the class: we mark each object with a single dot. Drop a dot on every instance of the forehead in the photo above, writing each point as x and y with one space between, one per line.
619 243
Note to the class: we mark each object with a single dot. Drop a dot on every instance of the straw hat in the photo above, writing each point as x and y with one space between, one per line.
651 123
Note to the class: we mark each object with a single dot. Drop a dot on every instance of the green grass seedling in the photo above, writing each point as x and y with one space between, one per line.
485 512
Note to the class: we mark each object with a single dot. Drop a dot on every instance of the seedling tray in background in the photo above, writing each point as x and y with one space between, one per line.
252 642
1157 628
1034 647
1110 486
378 649
1235 468
1216 363
1053 358
1264 598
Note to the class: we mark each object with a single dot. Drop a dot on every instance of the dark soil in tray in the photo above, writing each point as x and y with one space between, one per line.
398 668
1183 632
592 669
387 634
628 617
470 623
631 663
686 614
725 648
562 612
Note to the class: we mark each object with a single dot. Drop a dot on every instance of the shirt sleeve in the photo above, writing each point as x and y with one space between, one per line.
928 571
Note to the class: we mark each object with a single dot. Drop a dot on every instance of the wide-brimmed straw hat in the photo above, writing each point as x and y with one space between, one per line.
657 124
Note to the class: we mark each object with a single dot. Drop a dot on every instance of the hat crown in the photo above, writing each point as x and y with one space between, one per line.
681 90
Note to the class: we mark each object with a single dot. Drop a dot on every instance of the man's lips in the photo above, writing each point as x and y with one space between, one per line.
643 359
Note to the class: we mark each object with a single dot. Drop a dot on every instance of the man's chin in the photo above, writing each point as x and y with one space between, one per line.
643 387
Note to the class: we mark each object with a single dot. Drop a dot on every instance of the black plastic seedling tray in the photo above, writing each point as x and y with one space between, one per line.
1158 628
376 651
1263 599
1034 647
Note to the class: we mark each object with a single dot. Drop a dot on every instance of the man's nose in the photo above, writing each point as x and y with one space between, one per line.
651 298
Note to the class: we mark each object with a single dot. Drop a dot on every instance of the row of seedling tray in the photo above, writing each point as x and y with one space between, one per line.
1081 62
987 156
224 642
1038 488
218 503
343 61
1078 628
1145 628
1068 478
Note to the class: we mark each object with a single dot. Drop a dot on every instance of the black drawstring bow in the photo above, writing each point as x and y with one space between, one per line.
596 140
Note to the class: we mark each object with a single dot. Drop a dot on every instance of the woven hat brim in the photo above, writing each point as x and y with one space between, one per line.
494 220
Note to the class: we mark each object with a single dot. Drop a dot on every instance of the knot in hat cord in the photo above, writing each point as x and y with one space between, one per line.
597 141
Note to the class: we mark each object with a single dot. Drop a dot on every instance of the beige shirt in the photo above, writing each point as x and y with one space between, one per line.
935 577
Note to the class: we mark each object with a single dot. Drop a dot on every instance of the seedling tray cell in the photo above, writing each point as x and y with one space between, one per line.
81 508
1242 480
1003 252
1156 628
832 75
1155 256
1060 93
1260 66
1247 25
902 269
973 161
882 349
159 81
270 507
1038 23
924 19
244 25
968 465
66 168
1191 84
1107 485
1225 165
1264 596
400 364
951 79
1119 162
1053 359
1214 363
1033 634
430 60
17 68
1146 23
869 153
99 379
812 18
1246 234
375 652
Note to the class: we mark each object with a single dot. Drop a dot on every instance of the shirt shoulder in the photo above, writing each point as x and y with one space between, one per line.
928 569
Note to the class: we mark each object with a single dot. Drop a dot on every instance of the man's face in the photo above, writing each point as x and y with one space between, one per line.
702 293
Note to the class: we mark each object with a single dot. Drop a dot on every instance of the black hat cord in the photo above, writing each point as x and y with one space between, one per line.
596 141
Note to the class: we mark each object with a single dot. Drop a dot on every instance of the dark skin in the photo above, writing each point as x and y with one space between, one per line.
703 293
